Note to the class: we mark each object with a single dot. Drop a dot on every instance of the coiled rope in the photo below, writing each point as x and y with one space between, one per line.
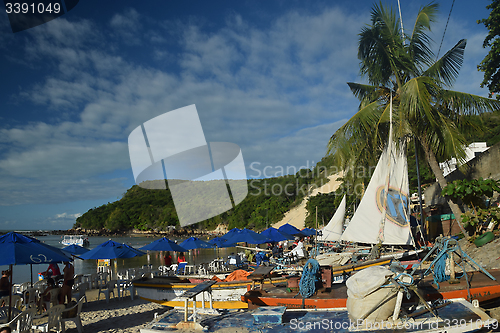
438 265
307 285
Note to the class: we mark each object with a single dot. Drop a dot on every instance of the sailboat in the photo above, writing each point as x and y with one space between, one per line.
333 230
381 218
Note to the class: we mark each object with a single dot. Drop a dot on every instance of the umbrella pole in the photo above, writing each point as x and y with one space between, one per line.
10 295
31 271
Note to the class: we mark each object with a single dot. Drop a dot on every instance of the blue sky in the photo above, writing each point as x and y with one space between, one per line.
269 76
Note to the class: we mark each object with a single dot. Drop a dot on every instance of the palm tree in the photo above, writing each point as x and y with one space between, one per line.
404 67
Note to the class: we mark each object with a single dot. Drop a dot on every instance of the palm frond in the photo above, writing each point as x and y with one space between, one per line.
447 68
467 104
419 40
416 99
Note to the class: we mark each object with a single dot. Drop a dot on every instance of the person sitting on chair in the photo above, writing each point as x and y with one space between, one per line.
181 258
45 296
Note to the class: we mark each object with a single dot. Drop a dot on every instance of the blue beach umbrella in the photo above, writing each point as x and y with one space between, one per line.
219 242
112 250
247 236
163 244
195 243
309 231
75 249
290 229
17 249
230 233
273 235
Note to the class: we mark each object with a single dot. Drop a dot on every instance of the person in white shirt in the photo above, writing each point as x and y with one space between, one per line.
298 251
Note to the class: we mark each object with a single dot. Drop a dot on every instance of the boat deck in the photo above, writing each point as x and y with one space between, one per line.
458 316
481 288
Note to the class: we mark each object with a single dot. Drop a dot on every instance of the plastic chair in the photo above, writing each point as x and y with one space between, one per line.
54 298
180 268
93 281
125 285
107 290
22 322
21 288
53 320
76 318
16 302
30 297
81 291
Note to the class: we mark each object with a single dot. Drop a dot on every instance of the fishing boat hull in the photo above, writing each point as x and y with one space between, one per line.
482 288
166 291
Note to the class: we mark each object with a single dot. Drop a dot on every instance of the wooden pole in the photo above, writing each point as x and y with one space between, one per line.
316 238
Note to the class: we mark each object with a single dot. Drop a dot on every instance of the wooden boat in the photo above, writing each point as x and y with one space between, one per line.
166 290
481 288
454 316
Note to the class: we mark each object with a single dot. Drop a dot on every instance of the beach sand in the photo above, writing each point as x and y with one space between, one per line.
118 316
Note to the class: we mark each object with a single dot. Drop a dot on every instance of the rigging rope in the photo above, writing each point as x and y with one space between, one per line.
307 284
444 32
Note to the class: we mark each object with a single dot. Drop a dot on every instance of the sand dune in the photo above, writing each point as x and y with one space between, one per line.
297 216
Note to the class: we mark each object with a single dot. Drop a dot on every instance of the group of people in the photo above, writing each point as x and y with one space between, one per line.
168 258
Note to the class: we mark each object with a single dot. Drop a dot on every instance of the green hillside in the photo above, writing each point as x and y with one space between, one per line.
145 209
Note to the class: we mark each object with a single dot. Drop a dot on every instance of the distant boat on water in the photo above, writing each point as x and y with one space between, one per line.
81 240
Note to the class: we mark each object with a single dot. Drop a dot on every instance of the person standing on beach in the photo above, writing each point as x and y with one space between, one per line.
5 284
168 259
69 281
53 271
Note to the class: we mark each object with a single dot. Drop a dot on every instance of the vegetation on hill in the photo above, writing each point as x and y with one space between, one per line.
146 209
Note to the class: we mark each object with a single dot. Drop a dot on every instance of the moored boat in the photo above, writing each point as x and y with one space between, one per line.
81 240
166 290
481 288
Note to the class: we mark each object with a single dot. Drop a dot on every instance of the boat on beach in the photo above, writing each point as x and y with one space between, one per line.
480 286
80 240
456 315
167 289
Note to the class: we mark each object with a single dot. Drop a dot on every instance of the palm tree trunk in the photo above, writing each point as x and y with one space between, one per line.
433 163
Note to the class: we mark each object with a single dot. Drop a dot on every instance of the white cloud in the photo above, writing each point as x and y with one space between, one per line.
279 93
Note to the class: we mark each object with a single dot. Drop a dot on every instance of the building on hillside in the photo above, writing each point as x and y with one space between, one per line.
473 150
483 163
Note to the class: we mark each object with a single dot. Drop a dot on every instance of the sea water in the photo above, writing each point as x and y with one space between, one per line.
22 273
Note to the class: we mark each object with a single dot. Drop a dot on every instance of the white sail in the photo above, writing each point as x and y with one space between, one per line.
333 230
374 221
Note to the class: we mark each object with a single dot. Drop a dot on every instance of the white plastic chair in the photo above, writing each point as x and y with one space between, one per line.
22 322
76 318
53 320
126 285
108 289
30 298
81 291
54 298
40 286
